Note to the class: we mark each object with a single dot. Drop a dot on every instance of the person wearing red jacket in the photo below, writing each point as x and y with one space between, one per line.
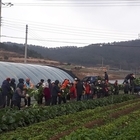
72 92
87 90
47 94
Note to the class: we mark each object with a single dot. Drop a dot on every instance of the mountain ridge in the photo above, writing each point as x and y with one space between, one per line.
124 54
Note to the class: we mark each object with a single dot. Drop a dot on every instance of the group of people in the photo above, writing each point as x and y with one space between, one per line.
53 92
11 94
129 84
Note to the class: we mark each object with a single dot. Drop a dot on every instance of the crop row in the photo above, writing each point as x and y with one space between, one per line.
11 119
47 129
126 127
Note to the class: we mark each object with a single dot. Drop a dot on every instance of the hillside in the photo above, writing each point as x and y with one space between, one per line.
78 71
119 55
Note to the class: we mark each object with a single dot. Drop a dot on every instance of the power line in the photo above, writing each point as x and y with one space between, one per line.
55 26
43 39
54 40
83 3
114 45
75 32
62 29
70 32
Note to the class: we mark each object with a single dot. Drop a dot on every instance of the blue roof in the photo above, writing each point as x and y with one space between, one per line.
32 71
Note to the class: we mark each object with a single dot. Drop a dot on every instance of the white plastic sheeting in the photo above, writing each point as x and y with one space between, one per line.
34 72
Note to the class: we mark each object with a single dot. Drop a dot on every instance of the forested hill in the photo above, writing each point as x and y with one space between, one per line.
117 54
19 48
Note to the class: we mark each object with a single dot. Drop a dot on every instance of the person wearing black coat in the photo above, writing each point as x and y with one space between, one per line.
106 78
5 91
79 90
50 86
126 87
13 88
13 84
55 92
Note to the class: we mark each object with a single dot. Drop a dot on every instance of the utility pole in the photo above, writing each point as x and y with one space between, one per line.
26 35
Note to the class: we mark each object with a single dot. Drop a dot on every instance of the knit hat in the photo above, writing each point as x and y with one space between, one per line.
21 80
20 85
8 79
42 80
13 80
56 82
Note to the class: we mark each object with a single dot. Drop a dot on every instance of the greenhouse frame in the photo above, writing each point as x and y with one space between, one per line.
32 71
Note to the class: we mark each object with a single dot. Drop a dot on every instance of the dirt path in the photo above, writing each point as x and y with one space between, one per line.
97 122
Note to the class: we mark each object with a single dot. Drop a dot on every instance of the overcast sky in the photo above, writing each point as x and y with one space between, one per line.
55 23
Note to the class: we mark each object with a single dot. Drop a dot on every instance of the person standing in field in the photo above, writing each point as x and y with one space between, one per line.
87 90
28 85
40 95
72 92
47 94
55 92
18 94
116 88
106 77
79 89
50 85
126 87
5 91
13 88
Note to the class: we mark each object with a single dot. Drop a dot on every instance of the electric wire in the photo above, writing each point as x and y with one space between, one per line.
63 41
69 31
85 35
42 25
43 40
33 34
83 3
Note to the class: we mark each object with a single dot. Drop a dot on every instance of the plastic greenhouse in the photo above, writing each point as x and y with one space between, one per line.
32 71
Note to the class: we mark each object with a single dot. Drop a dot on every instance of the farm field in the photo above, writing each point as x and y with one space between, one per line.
114 117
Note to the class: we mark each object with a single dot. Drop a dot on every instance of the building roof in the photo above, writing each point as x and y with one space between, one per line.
32 71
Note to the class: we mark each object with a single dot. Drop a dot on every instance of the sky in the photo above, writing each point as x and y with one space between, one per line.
58 23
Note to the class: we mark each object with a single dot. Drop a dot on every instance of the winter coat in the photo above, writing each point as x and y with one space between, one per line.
5 88
13 85
72 92
106 77
126 87
79 88
47 93
56 89
18 95
87 89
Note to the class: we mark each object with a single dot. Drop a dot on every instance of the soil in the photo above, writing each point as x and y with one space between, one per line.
98 122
